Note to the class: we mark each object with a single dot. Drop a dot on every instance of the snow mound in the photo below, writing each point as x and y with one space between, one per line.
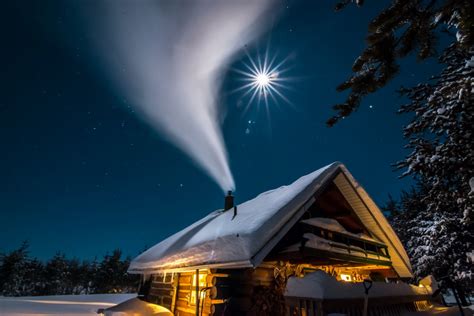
316 242
320 285
326 223
137 307
334 226
64 305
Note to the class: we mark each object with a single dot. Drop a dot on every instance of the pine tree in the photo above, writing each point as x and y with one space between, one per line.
112 274
81 276
404 27
22 275
91 277
435 243
33 283
13 271
441 137
57 275
434 220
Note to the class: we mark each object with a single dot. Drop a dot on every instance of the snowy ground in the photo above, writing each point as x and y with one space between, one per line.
442 311
87 305
65 305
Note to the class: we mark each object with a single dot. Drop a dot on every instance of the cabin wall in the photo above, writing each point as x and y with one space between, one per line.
177 292
162 289
248 292
254 292
227 292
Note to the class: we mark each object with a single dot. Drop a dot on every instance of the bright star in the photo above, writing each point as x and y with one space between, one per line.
263 79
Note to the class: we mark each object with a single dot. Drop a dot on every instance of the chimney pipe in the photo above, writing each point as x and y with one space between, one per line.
229 201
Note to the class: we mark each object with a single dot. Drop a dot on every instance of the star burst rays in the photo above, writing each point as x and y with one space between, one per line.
264 80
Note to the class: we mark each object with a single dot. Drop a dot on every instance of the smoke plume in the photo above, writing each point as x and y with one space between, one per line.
168 59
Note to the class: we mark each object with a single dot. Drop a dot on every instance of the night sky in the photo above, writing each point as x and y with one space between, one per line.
81 173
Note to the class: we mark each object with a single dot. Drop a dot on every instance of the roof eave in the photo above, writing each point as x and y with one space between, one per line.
170 269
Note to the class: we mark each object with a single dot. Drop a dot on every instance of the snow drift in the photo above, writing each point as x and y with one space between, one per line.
64 305
137 307
320 285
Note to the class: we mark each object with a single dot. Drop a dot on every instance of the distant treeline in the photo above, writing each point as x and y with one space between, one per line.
23 275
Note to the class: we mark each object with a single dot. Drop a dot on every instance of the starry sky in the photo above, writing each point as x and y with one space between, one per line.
81 173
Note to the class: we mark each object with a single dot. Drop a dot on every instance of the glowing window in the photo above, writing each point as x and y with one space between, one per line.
202 284
345 277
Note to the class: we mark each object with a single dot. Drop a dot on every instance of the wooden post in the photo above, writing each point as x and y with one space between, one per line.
175 294
458 301
197 292
367 285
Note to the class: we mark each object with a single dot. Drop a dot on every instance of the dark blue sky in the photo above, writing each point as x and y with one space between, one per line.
81 173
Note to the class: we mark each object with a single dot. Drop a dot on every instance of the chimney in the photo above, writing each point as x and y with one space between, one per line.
229 201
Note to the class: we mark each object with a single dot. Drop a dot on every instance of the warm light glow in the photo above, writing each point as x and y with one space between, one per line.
202 284
345 277
59 302
202 279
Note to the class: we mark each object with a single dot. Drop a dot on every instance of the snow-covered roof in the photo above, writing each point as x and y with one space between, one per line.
221 240
334 226
374 220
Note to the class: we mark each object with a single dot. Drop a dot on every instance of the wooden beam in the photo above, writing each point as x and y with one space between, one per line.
323 257
197 292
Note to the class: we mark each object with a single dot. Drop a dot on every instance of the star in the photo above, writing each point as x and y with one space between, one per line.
264 79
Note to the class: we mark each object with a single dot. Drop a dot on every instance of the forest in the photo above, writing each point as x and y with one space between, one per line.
24 275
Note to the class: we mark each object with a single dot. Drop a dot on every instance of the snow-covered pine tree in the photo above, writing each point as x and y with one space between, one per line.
92 271
112 274
76 276
33 280
81 275
402 212
436 221
441 137
13 270
402 28
23 275
423 233
57 275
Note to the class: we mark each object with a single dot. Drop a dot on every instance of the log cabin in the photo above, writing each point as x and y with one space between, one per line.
238 260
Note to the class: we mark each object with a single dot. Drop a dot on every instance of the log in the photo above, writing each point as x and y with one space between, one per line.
162 292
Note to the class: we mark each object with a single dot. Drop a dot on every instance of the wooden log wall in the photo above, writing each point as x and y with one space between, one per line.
177 292
238 292
162 289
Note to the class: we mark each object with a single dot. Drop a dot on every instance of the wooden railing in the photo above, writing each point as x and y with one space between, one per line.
298 306
349 241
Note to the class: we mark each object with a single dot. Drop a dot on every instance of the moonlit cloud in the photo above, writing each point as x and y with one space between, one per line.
168 57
